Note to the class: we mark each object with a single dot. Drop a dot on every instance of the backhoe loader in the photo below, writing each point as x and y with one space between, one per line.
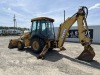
42 38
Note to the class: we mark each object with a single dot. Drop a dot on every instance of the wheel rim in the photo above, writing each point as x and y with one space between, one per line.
35 45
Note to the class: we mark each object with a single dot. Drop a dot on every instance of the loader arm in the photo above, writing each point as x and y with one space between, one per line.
80 17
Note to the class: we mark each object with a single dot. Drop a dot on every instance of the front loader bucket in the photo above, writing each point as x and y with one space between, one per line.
87 55
13 43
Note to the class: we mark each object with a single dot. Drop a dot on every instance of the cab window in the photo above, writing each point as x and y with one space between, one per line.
34 25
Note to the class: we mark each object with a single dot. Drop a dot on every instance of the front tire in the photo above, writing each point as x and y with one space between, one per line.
20 45
37 45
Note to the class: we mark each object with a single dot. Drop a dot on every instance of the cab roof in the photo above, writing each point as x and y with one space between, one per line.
41 18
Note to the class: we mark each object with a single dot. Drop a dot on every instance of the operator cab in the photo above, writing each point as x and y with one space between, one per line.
42 27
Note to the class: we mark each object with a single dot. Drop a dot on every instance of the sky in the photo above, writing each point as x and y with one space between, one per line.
25 10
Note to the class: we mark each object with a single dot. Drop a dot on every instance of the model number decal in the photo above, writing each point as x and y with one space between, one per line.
63 34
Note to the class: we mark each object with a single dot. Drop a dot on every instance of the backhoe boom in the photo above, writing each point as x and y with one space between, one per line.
80 17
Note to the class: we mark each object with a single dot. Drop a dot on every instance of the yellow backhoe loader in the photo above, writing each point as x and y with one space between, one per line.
41 38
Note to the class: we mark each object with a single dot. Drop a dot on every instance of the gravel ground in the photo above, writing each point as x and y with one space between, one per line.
14 62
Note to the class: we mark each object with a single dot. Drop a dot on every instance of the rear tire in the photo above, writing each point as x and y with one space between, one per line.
20 45
37 45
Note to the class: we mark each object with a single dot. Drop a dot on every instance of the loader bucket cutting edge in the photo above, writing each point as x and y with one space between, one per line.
87 55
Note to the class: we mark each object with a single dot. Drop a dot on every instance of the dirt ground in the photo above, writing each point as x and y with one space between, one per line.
14 62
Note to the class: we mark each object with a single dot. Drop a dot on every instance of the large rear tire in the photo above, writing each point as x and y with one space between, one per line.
37 45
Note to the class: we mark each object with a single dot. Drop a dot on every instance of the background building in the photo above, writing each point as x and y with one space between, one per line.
94 33
12 31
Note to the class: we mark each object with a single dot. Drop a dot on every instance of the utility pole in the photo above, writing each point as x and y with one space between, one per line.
14 19
64 15
16 24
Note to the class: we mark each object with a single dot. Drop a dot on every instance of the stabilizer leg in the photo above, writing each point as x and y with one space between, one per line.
44 51
62 49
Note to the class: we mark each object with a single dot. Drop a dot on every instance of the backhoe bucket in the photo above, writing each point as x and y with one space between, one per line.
87 55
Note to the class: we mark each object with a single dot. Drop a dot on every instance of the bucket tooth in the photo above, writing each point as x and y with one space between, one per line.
87 55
